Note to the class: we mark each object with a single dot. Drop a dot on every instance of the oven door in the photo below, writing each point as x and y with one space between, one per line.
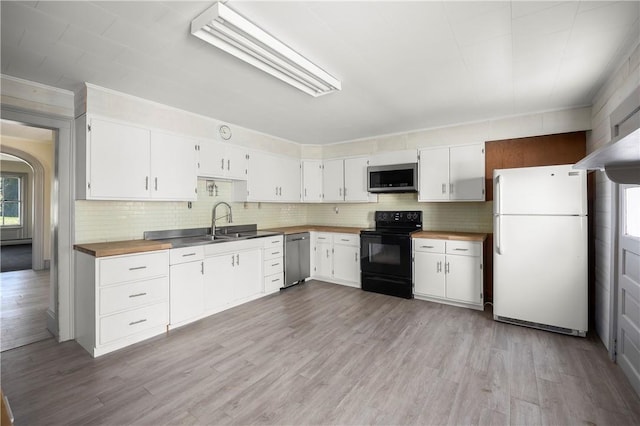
385 254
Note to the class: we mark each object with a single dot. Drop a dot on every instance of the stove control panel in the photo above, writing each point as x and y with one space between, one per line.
408 217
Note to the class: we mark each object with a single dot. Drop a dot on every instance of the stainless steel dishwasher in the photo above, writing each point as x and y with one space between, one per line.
296 258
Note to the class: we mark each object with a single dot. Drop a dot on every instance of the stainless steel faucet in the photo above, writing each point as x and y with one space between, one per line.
214 218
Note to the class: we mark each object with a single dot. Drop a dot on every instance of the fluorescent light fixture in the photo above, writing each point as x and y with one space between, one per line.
231 32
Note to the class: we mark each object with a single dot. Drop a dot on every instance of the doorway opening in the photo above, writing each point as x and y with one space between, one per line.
26 186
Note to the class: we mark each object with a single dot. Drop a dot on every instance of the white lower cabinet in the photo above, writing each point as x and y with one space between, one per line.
120 300
448 272
336 258
232 274
186 287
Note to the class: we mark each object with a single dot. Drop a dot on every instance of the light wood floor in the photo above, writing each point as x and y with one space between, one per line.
325 354
23 308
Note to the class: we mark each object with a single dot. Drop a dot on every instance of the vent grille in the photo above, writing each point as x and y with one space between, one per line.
545 327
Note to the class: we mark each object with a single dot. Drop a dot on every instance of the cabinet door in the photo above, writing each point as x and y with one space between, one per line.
324 258
218 281
235 161
466 172
355 179
173 168
210 159
186 291
428 270
464 278
247 274
289 179
346 263
312 181
434 174
333 180
262 178
119 166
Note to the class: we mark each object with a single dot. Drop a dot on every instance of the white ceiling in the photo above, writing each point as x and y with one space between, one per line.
403 65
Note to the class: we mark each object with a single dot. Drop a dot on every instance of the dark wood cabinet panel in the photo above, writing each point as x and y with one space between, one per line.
548 150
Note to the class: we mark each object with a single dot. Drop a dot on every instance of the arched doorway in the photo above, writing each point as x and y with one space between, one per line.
38 213
27 301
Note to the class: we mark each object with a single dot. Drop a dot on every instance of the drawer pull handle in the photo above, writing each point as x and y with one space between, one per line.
276 280
275 252
344 239
275 264
188 254
460 249
426 246
275 242
137 322
137 268
138 295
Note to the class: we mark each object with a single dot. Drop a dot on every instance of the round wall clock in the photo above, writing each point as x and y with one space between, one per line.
225 132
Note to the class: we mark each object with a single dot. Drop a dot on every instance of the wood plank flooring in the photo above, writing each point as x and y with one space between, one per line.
23 307
320 353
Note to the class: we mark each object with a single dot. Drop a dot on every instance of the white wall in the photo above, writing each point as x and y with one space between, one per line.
618 86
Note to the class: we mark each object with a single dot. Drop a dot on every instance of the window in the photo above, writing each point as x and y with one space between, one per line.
11 186
632 211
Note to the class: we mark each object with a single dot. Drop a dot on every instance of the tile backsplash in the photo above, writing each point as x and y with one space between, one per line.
98 221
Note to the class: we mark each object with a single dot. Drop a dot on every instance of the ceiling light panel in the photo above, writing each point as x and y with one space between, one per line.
225 29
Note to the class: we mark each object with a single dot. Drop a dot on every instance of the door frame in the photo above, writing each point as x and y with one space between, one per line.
621 208
60 316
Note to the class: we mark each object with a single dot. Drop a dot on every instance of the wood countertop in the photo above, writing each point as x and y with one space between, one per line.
115 248
317 228
446 235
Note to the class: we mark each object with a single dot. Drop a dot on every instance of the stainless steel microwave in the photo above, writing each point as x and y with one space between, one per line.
393 178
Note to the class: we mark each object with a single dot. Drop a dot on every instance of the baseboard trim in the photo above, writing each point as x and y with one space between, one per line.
16 242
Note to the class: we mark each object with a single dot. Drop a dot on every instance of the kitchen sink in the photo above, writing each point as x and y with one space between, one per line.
200 236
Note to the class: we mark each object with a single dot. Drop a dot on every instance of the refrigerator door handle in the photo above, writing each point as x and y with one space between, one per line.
497 195
498 235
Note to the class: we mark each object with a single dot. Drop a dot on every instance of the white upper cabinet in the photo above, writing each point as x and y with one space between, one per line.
345 180
121 161
173 167
271 178
312 181
333 180
222 160
355 179
452 173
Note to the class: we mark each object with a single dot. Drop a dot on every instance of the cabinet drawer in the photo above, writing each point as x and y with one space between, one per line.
186 254
464 248
128 323
273 241
273 266
133 267
347 239
129 296
429 246
273 282
273 253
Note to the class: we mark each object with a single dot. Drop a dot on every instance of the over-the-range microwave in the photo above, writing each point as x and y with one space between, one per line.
393 178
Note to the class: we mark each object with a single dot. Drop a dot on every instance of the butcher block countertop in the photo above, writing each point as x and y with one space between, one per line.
115 248
446 235
317 228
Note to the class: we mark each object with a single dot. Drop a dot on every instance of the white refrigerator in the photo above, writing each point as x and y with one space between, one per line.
540 248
